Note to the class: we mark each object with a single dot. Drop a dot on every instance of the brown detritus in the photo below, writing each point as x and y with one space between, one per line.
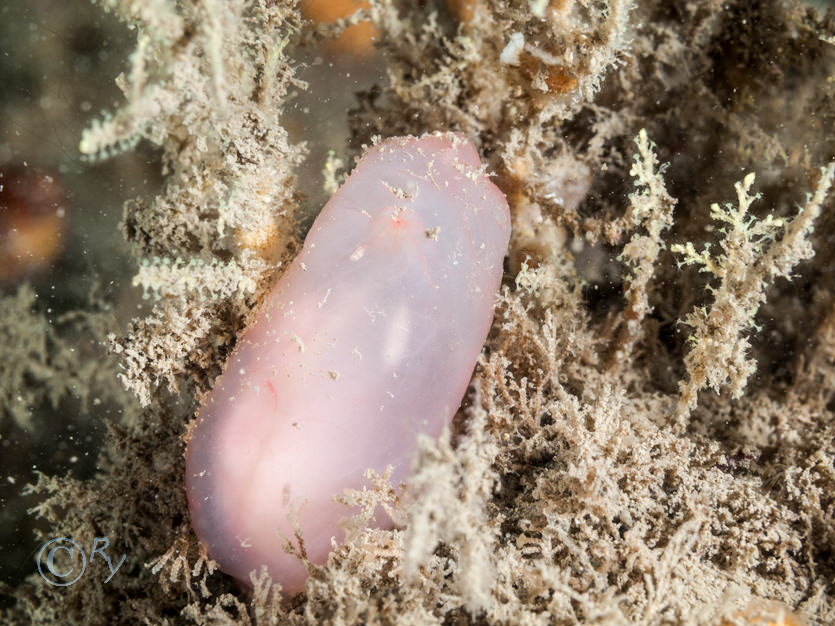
557 79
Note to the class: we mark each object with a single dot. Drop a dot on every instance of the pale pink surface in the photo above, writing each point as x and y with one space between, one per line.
368 339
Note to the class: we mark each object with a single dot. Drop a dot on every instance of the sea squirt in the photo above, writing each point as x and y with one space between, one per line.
369 338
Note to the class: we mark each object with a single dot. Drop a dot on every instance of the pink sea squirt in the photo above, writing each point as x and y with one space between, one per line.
369 338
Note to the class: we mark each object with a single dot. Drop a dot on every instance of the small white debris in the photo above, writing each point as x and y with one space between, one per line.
397 192
538 7
510 54
325 299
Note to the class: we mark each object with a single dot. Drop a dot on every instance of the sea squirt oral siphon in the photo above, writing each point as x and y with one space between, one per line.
368 339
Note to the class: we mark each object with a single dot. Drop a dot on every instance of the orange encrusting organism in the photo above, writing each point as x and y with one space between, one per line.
464 10
32 217
764 613
357 40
